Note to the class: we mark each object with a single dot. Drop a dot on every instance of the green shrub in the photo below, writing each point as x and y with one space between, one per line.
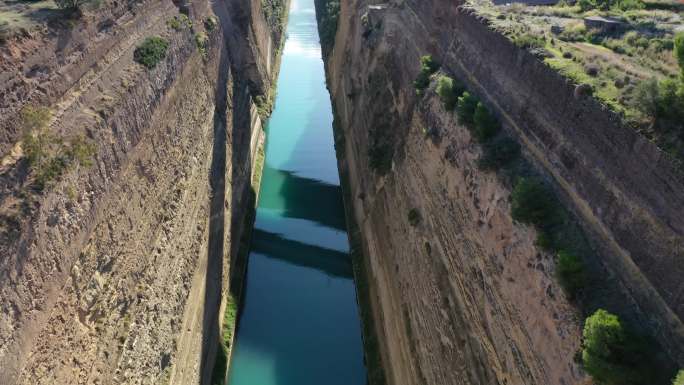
210 23
465 108
646 97
414 217
202 41
534 203
428 66
327 26
36 140
605 5
529 41
570 272
603 334
499 153
34 118
670 99
151 51
179 22
81 151
679 50
679 380
71 5
664 99
485 124
611 354
49 157
449 90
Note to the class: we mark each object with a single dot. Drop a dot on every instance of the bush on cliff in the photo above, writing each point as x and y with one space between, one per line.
465 108
47 154
679 380
151 51
570 271
414 217
485 124
381 148
679 50
179 22
613 355
72 5
449 90
499 153
202 42
428 66
534 203
210 23
328 23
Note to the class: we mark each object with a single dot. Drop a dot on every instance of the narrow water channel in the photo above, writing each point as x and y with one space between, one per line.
299 323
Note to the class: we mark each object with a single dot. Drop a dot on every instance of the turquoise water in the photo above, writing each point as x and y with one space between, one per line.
299 323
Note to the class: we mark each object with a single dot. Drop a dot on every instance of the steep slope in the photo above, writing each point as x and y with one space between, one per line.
115 271
460 293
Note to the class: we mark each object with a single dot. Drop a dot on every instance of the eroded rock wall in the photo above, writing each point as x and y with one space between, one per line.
465 297
117 271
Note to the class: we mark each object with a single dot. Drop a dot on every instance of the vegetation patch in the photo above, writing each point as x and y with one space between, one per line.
414 217
48 155
274 12
428 66
465 108
180 22
327 13
612 354
485 124
151 51
210 23
202 42
221 364
499 153
449 90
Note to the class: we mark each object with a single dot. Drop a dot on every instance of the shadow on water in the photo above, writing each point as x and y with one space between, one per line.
333 263
303 198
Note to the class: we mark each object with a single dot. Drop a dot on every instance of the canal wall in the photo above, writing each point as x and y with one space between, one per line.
464 295
116 272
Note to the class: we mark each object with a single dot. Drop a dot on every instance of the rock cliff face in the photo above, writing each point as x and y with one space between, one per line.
115 273
464 296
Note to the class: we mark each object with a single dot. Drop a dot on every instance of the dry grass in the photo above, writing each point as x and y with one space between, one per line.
644 51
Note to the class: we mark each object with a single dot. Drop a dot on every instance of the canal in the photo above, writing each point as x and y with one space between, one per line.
299 323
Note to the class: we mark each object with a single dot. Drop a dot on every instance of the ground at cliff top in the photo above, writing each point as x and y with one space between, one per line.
612 50
21 17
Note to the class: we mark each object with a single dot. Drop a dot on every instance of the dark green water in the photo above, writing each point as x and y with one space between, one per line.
299 323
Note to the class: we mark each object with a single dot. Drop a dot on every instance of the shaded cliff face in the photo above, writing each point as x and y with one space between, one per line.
464 296
115 272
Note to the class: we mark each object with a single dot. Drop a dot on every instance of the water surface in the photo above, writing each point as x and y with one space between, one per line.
299 323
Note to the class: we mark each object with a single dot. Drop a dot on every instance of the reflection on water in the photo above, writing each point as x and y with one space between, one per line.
299 323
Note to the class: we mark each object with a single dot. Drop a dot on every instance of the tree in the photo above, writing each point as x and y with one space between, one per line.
570 271
486 124
613 355
603 334
533 202
679 380
449 90
646 97
428 66
465 108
